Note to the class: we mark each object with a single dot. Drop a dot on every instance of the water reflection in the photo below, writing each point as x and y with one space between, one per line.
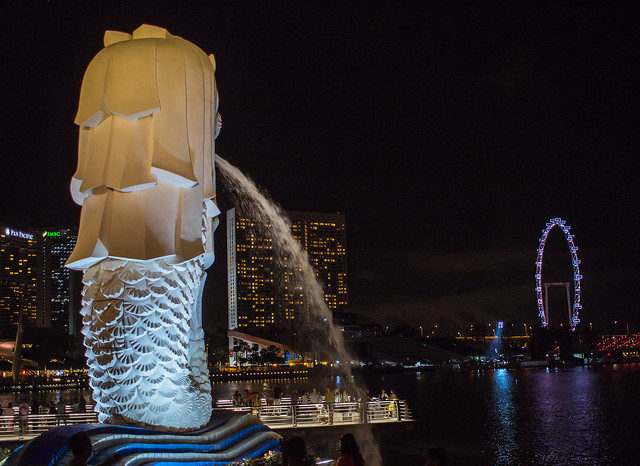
44 396
565 416
503 434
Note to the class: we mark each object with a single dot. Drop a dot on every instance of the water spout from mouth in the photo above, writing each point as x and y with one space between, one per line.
288 253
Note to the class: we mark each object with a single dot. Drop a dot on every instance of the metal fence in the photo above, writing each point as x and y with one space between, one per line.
281 416
287 415
30 425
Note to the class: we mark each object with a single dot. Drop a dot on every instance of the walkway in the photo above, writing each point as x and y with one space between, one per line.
285 416
17 428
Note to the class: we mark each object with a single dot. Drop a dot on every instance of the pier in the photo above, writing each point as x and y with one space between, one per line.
18 428
288 416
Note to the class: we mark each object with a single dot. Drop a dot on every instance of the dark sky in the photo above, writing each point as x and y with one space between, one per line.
447 134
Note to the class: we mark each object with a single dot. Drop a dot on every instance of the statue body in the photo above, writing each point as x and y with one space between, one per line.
145 179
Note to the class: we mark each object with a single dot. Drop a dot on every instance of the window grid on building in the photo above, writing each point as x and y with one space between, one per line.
262 294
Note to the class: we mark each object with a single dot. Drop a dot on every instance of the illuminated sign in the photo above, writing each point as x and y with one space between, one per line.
51 233
500 324
17 234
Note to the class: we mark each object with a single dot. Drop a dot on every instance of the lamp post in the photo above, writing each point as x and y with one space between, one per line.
16 366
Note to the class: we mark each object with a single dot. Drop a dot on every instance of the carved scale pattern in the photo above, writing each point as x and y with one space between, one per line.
146 363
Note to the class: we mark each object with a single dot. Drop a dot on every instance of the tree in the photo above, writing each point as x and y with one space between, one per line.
242 350
271 355
217 347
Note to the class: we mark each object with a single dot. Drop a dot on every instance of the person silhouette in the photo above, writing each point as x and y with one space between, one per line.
80 446
349 452
294 452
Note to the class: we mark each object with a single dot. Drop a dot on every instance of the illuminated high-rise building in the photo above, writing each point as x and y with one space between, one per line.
18 276
251 273
262 293
56 307
324 237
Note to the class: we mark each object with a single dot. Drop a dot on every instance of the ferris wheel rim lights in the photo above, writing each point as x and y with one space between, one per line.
573 249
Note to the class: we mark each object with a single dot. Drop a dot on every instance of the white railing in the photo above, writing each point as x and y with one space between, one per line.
30 425
287 415
280 416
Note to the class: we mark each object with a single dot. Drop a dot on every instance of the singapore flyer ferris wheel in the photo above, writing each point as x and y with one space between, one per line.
575 310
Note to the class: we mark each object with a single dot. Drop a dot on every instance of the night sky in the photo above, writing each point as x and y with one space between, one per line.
448 135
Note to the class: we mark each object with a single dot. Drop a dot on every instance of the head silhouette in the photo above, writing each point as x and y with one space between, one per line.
80 446
349 447
294 451
436 456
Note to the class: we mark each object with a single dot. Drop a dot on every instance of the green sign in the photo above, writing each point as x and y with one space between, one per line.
51 233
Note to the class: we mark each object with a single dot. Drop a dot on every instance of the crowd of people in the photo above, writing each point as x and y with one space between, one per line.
329 406
294 450
18 416
329 396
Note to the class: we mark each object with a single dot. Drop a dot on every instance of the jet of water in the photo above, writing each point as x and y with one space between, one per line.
259 206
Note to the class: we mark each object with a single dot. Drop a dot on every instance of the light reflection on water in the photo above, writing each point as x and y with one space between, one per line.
44 396
557 416
504 433
545 417
565 416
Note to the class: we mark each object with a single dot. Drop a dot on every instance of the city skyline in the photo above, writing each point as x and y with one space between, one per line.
309 232
18 276
33 277
447 136
51 295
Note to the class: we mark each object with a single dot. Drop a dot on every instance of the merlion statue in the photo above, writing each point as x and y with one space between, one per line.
148 117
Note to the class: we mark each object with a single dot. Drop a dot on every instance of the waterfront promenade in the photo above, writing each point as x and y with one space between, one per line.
287 416
284 416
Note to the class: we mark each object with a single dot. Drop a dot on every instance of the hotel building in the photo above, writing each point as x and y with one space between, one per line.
18 276
261 293
56 283
34 280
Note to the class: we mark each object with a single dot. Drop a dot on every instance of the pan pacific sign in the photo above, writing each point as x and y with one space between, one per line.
17 234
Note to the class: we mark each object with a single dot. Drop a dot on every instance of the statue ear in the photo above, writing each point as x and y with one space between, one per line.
147 30
113 37
213 61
